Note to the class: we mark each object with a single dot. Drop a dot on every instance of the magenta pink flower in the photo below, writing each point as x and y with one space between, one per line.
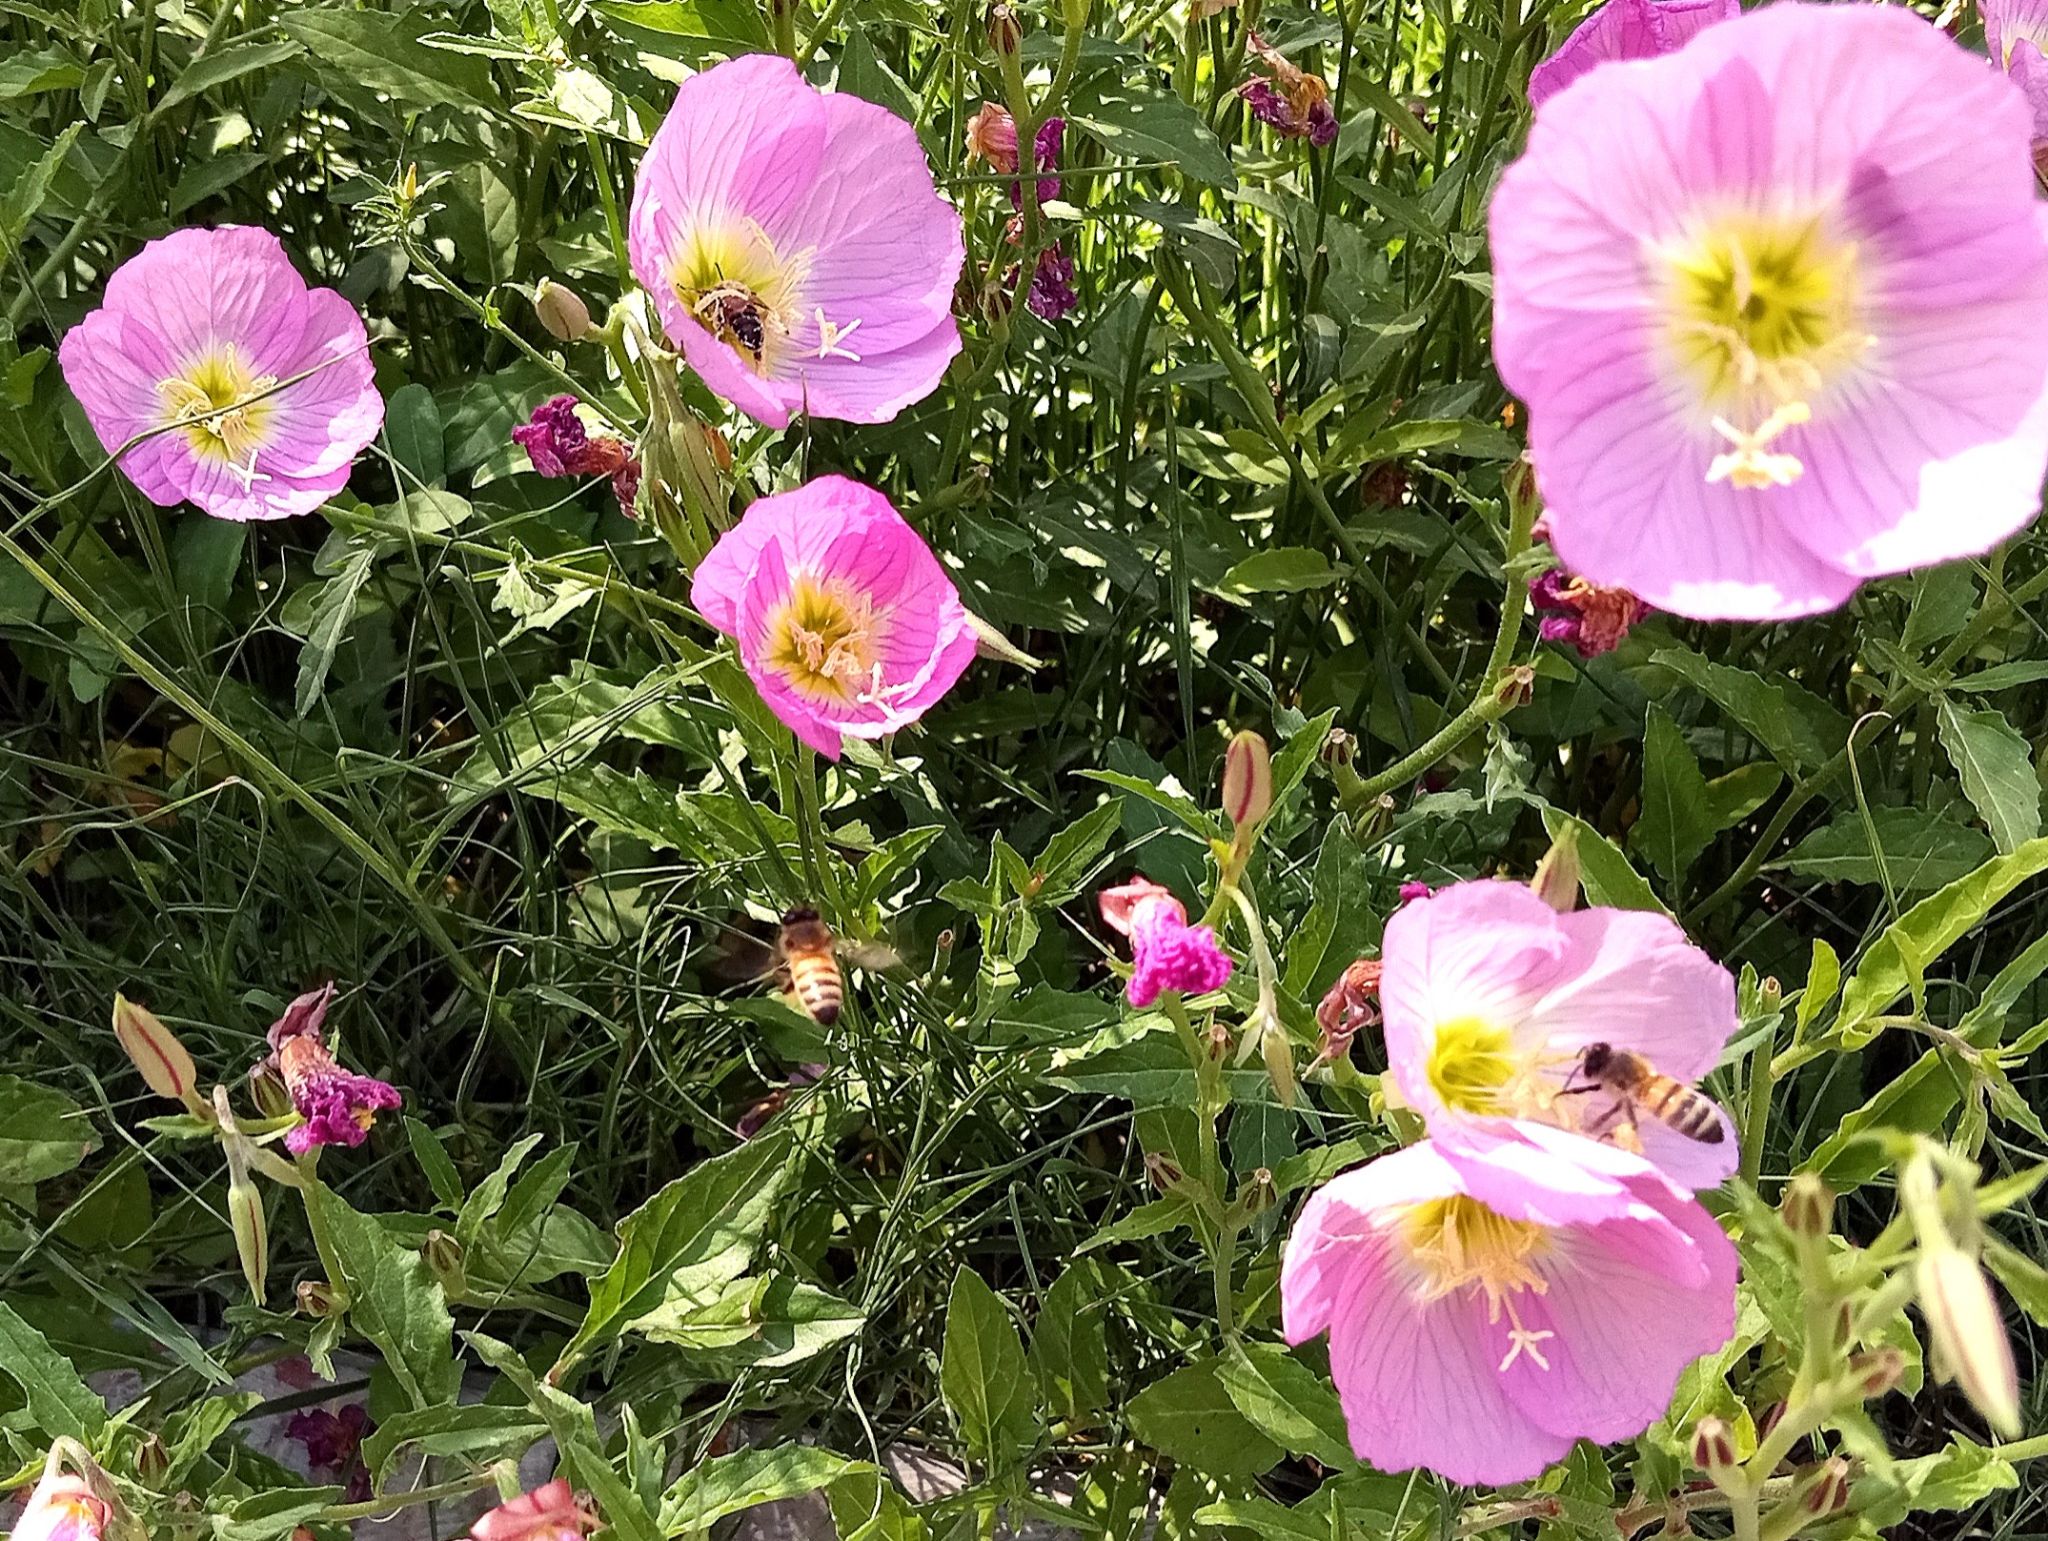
2016 33
1290 100
1771 342
61 1507
551 1512
795 247
337 1105
333 1443
846 622
1051 296
1491 997
1166 952
1625 29
558 444
203 320
1588 617
1490 1303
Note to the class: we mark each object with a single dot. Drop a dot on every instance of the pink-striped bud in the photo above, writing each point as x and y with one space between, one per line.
250 1225
1830 1491
1878 1370
1247 780
1713 1448
154 1049
1970 1345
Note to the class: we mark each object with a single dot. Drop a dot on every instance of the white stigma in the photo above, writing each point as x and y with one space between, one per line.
832 338
1752 465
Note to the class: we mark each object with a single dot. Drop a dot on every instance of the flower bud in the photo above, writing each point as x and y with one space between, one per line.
1557 876
1808 1207
251 1228
1165 1173
1338 747
1713 1447
561 310
1005 32
1769 1420
1970 1345
1278 1055
1830 1491
409 185
319 1299
1516 686
1256 1194
1878 1370
444 1256
152 1460
1247 779
166 1067
1770 992
266 1086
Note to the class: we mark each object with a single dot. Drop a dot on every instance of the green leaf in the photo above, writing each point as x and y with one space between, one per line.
394 1299
1960 1477
1676 823
766 1323
32 74
481 1432
1801 731
25 198
58 1399
695 1234
1921 850
1280 570
1070 1345
1735 796
1823 983
434 1161
382 51
1062 867
1925 932
1997 771
1287 1402
730 1484
412 429
1189 1416
333 609
43 1133
1913 1101
982 1374
1605 872
272 1514
223 65
488 1196
1134 121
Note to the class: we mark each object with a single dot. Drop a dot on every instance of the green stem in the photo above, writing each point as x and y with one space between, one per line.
390 1503
601 169
1756 1116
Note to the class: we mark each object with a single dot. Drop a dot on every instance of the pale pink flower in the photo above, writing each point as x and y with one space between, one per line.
1491 997
2016 35
1166 952
206 319
795 247
1625 29
1771 342
61 1507
846 622
551 1512
1493 1301
337 1105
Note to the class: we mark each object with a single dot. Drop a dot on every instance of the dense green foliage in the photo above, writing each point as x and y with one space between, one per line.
458 744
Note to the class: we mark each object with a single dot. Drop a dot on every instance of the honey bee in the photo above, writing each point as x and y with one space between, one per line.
1635 1084
811 956
734 315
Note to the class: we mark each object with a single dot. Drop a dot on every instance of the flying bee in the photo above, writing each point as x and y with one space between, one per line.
811 956
734 314
1634 1083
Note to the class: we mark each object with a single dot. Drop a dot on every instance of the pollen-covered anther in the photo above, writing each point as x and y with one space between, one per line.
1752 465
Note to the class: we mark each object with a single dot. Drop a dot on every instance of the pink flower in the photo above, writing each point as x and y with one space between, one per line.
1592 619
1491 997
2016 33
846 622
337 1105
558 444
333 1444
1625 29
61 1507
1491 1303
1771 342
551 1512
1413 890
204 319
1293 102
795 247
1166 952
1052 295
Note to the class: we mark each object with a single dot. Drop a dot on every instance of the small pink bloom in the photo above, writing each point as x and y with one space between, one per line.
1166 952
2016 34
558 444
1491 996
795 247
846 622
551 1512
1593 619
1726 286
61 1508
337 1105
201 320
1412 891
1625 29
1492 1302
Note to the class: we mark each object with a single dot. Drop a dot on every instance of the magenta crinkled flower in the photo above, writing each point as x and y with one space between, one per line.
1166 952
338 1106
558 444
1052 295
1593 619
196 333
795 247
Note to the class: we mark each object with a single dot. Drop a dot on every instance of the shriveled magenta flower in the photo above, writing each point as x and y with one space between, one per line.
558 444
992 137
846 622
1412 891
795 247
333 1444
1625 29
205 320
61 1507
1052 293
1492 997
1593 619
551 1512
1770 342
1045 157
2016 34
1293 102
1490 1303
1166 952
337 1105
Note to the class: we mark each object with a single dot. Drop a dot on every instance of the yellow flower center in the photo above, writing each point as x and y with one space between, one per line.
215 395
822 640
1473 1067
1765 309
740 288
1460 1245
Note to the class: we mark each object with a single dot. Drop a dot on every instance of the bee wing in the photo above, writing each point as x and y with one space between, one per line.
867 954
744 953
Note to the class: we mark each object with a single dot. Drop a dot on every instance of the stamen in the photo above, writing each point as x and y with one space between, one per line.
1751 465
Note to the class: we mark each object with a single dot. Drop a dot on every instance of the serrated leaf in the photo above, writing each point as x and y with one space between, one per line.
394 1299
1676 823
1997 771
1189 1416
333 610
982 1374
1735 796
58 1398
381 50
1801 731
